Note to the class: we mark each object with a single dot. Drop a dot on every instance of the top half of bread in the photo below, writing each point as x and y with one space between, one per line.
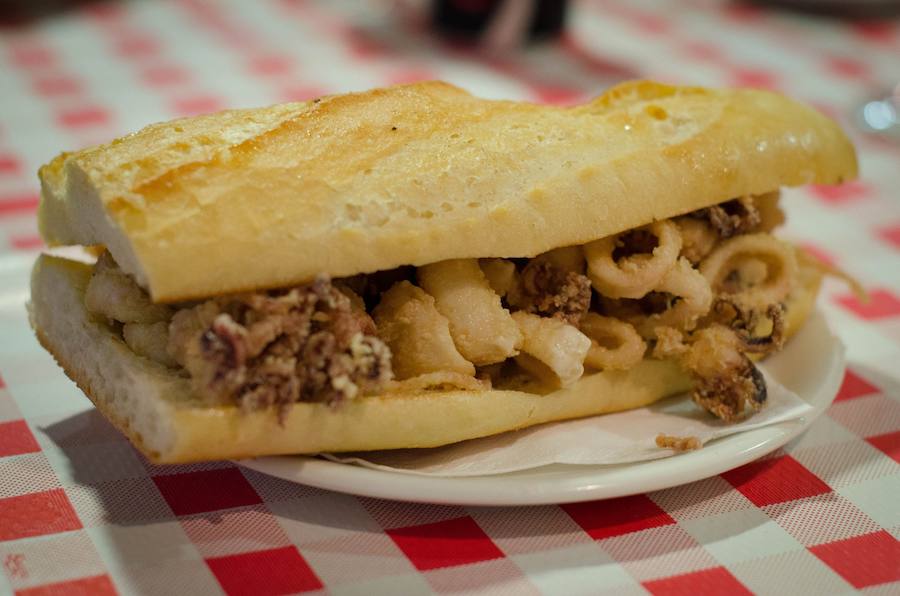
419 173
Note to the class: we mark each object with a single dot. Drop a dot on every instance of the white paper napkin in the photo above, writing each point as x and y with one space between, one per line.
611 439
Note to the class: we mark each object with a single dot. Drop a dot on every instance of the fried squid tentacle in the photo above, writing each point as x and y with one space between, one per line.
637 273
762 331
726 382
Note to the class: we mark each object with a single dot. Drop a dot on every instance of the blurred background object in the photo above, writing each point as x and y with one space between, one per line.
869 9
881 115
500 24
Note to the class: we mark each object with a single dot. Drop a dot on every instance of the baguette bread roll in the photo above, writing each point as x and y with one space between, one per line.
155 408
416 174
204 207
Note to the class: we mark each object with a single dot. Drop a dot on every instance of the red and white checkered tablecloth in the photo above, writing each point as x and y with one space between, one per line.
81 512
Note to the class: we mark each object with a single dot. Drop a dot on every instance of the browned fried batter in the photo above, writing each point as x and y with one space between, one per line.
277 348
737 216
550 291
727 395
726 381
749 322
664 441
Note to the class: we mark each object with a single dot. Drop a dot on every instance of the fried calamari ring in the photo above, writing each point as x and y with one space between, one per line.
723 269
750 271
697 238
635 275
693 297
615 345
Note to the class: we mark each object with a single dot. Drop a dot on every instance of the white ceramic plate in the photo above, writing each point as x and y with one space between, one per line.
812 365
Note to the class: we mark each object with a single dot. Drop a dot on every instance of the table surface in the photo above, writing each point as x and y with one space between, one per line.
82 512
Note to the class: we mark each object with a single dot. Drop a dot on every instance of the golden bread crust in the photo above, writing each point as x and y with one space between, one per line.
416 174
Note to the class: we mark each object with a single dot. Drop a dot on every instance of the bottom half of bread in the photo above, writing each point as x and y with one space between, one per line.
154 405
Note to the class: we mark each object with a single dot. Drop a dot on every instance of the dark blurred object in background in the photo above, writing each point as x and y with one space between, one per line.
846 9
500 24
21 13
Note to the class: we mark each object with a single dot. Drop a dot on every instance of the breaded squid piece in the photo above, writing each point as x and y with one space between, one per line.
115 295
417 334
553 351
149 340
483 331
501 275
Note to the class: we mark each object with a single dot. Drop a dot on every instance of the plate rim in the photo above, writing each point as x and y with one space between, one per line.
571 483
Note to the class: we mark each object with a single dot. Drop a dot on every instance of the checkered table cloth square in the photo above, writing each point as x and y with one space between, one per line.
81 512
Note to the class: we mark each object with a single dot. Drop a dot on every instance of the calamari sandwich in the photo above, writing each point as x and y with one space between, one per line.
414 266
